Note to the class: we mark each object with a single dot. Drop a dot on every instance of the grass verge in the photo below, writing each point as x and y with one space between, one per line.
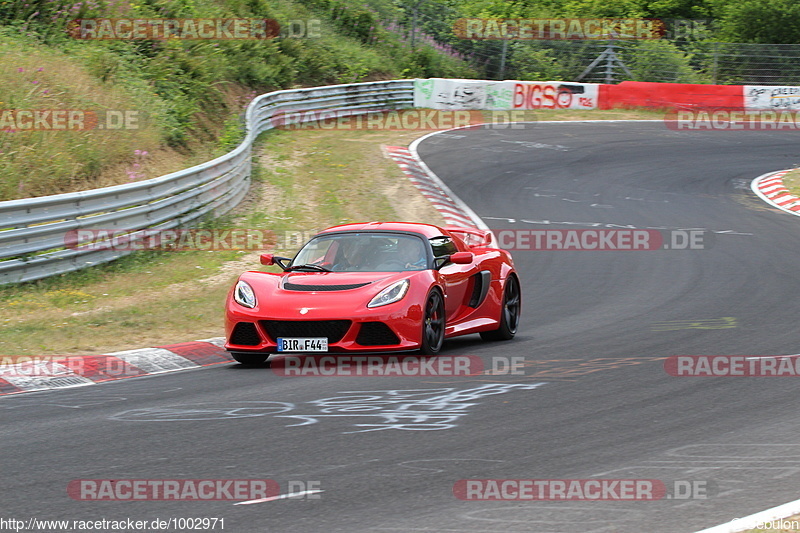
791 180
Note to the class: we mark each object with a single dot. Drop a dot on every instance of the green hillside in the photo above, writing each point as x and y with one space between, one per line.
185 96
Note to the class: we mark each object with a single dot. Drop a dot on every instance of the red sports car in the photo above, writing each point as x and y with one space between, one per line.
378 286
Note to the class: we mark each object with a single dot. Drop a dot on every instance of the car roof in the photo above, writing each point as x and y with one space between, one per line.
427 230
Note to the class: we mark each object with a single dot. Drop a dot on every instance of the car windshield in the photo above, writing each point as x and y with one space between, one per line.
363 252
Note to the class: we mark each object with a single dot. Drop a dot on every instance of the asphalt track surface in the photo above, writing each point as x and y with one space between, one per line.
594 401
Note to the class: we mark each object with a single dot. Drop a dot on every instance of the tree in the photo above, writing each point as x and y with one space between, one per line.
760 21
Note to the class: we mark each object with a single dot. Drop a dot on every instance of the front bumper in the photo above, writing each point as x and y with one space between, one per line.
398 331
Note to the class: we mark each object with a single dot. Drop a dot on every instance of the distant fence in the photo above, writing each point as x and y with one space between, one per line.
669 61
34 232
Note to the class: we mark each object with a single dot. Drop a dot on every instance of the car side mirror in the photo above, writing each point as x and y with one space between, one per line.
458 258
272 259
462 258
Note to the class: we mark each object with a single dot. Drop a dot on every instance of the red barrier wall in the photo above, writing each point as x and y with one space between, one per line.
631 94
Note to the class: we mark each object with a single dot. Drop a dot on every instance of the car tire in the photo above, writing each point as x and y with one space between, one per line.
250 359
509 313
433 324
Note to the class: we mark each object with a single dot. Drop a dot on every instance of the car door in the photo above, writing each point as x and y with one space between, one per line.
455 278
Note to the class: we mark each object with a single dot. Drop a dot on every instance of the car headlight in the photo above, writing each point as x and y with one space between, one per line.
243 294
390 294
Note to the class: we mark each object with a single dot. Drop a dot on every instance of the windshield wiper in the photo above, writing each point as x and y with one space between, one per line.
309 266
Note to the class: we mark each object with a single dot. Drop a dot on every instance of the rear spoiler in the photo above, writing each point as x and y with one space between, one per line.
472 237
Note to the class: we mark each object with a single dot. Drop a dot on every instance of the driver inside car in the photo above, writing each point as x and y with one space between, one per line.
351 257
408 256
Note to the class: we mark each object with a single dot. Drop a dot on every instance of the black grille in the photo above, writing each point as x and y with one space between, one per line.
296 287
245 334
480 289
334 330
376 334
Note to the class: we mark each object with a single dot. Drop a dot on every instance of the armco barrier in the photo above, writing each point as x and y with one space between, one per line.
33 231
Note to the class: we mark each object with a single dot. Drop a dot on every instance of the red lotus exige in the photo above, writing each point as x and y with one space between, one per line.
378 286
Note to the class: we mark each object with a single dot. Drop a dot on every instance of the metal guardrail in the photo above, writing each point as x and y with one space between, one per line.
35 232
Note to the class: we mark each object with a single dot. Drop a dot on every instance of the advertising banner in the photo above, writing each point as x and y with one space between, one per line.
771 97
552 95
438 93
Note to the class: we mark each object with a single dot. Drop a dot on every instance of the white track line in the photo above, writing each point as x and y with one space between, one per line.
281 497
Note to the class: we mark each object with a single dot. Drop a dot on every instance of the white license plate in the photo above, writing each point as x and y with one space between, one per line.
302 344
